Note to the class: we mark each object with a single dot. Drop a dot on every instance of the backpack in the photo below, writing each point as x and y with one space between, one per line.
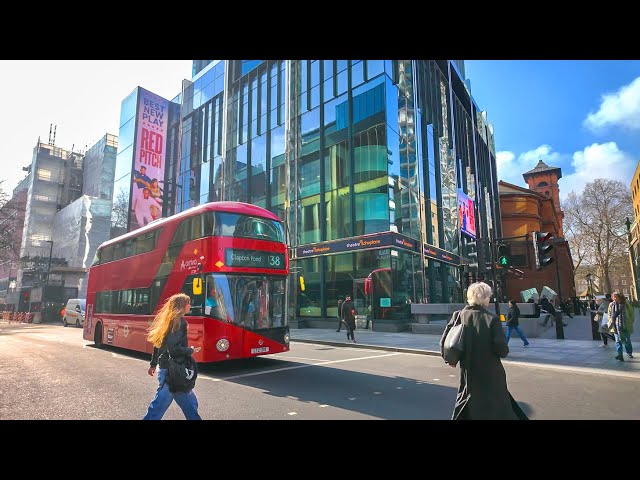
182 374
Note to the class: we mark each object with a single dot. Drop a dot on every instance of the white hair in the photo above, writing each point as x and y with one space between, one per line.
479 293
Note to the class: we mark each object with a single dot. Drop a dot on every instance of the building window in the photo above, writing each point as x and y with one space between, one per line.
543 184
38 240
624 282
546 193
44 174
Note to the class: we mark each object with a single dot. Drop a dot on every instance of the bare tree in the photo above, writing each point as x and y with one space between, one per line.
595 225
120 214
11 214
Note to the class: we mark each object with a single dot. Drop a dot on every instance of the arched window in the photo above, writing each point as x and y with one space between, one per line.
543 184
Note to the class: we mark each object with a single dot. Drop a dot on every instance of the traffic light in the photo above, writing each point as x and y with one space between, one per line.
475 254
542 245
472 255
302 286
504 255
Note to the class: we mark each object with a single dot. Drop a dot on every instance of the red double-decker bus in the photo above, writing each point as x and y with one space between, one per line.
229 257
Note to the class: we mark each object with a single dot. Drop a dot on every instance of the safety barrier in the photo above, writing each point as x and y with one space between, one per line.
18 317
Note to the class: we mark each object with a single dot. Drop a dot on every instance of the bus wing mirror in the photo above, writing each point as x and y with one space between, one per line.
196 286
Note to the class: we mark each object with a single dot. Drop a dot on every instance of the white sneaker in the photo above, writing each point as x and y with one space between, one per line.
603 346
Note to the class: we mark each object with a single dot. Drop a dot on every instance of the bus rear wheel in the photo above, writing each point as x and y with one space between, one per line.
97 336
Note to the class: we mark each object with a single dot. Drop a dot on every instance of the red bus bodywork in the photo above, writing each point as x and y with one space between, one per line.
203 256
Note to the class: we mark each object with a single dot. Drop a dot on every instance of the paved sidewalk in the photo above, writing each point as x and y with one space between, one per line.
577 352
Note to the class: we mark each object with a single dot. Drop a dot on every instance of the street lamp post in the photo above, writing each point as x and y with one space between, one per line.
49 265
46 285
595 326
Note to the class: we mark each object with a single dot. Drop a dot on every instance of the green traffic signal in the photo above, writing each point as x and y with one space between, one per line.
504 261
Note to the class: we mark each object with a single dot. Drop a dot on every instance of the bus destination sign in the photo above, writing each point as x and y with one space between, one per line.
254 259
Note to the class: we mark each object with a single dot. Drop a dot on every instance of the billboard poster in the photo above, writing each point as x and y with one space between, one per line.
466 215
149 159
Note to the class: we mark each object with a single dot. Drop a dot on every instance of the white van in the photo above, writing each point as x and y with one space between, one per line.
74 312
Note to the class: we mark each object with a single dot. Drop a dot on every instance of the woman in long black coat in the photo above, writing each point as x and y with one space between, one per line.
483 393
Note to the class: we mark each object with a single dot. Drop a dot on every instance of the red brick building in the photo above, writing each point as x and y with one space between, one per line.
535 209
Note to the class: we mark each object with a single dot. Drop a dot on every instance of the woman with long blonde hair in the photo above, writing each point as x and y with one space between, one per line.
168 335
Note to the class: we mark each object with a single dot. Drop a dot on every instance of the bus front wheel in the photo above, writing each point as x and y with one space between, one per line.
97 338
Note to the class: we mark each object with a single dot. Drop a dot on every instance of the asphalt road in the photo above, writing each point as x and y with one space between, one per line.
51 372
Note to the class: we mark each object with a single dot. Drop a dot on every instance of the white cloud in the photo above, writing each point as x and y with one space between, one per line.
510 168
621 108
600 160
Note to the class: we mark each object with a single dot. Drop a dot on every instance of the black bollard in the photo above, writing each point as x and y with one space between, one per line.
559 326
595 326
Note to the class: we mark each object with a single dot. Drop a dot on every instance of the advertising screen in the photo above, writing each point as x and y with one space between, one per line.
466 215
150 154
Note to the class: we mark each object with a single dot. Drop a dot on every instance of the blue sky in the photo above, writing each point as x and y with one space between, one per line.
582 116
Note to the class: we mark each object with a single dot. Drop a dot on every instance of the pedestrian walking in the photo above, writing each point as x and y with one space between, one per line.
482 392
603 309
617 320
168 335
348 312
513 324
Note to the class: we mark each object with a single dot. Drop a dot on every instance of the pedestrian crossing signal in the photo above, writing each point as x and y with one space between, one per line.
504 254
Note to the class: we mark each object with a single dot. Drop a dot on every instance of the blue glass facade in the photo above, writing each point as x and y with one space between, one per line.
370 151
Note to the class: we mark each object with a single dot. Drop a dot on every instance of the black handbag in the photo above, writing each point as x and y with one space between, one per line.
452 343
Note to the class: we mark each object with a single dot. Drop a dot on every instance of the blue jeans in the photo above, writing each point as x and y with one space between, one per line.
187 401
623 337
519 332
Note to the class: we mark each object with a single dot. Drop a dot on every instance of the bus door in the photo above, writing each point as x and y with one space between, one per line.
361 303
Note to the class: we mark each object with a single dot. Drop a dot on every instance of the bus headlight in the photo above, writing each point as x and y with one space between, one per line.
222 345
286 338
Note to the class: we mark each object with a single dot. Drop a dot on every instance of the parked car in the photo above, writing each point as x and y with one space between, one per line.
74 312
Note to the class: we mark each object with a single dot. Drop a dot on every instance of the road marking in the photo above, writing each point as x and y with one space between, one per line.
436 379
572 368
301 358
295 367
351 398
377 393
292 413
399 388
323 406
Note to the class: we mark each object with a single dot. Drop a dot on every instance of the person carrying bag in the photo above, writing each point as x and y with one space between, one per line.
168 335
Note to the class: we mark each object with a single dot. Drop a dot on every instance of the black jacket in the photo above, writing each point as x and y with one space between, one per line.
547 306
513 316
175 343
348 314
482 393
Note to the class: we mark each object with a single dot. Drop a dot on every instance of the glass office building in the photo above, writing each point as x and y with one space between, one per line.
364 160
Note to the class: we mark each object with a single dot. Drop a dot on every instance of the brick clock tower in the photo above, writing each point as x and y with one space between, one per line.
544 180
